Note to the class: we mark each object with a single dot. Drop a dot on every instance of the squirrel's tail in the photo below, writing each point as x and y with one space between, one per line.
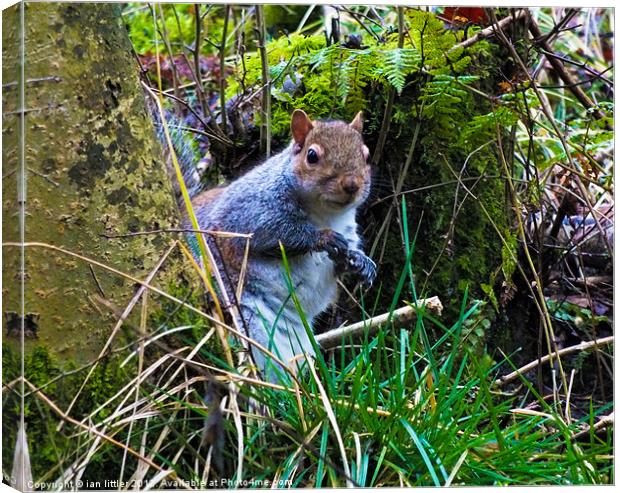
185 155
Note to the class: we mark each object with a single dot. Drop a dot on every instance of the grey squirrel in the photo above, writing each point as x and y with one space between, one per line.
305 198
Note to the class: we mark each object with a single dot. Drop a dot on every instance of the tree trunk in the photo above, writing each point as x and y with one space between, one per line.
455 201
92 168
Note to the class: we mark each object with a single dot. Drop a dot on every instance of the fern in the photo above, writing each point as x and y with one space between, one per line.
444 98
322 57
397 64
337 81
433 42
483 127
344 78
356 99
276 72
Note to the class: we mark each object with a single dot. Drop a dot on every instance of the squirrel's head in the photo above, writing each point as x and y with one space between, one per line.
330 160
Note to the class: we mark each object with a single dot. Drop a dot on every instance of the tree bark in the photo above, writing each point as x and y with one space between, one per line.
92 168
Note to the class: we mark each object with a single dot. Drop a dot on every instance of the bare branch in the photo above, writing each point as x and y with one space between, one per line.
558 67
265 130
491 30
584 346
404 314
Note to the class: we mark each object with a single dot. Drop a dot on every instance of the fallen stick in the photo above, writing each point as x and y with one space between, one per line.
591 281
603 423
584 346
334 337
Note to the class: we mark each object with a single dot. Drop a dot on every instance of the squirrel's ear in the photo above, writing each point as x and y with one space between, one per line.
358 122
300 126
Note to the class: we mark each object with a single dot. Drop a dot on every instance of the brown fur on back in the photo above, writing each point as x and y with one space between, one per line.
226 249
207 197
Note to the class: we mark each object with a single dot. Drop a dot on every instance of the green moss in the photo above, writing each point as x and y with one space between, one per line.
457 246
59 382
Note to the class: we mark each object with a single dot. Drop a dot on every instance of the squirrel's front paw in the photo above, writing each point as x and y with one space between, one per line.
362 266
334 244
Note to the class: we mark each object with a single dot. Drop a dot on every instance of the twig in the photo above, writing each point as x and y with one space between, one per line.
362 24
197 74
303 20
268 83
563 211
456 209
436 185
584 346
489 31
387 114
101 291
220 234
45 177
222 139
355 14
404 314
173 66
583 66
53 78
222 66
560 26
265 130
599 75
591 281
48 107
560 70
603 423
397 188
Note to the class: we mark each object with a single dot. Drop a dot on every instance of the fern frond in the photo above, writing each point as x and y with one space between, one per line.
443 98
397 64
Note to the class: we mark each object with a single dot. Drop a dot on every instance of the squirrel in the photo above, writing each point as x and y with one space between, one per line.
304 198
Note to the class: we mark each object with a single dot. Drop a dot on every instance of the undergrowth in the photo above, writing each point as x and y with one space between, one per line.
396 408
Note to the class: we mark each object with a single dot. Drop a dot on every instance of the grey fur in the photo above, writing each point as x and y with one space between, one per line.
184 152
266 202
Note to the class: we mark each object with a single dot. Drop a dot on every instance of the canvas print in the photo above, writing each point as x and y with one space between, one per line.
306 246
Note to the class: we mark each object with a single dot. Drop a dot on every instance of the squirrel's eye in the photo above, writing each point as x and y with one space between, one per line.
312 157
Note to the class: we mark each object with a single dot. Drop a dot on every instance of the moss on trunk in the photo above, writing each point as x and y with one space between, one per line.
93 169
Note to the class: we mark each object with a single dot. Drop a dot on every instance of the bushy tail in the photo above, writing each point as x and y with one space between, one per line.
185 154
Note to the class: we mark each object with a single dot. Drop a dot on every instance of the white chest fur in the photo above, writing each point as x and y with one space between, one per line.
342 222
316 281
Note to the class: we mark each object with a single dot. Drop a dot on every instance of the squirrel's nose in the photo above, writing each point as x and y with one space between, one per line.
350 186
